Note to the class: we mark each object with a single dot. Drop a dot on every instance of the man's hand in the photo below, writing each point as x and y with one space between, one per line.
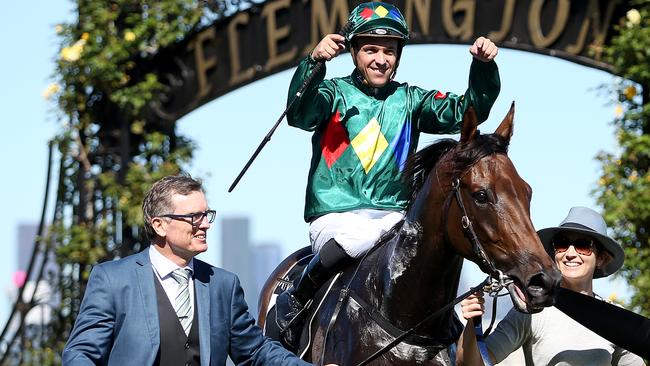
484 50
329 47
473 306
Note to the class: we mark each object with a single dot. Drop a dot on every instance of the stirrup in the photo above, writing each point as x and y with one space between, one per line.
291 332
296 318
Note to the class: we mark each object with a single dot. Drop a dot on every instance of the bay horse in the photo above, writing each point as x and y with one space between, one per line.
467 201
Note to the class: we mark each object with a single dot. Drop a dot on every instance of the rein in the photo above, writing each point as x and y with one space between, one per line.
489 285
432 316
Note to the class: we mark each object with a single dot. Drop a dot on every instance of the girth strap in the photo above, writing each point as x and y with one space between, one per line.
386 325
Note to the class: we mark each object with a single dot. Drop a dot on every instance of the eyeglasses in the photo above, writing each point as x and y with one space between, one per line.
195 217
583 246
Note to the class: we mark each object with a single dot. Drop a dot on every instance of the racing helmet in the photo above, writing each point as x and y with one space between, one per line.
377 19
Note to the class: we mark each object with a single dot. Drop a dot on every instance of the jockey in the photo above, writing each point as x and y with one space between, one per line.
365 126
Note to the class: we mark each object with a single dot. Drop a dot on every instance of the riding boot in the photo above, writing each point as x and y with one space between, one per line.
292 304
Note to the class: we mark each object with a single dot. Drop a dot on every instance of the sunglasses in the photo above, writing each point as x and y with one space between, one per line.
583 246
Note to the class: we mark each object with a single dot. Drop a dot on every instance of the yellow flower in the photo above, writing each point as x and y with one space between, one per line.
50 90
618 111
602 182
58 28
634 176
612 297
73 53
630 92
70 54
129 36
137 127
84 36
633 17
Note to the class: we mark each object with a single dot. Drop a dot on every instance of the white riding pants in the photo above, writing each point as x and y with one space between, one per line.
356 231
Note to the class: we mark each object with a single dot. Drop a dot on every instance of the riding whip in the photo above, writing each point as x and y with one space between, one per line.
344 30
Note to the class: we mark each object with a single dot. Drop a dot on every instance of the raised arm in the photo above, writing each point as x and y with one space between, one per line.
314 105
443 112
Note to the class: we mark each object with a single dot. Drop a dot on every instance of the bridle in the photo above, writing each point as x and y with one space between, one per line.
497 279
485 263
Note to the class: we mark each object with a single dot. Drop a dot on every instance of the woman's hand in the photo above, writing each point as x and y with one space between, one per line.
473 306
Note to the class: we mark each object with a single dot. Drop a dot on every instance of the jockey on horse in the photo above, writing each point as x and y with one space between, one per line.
365 126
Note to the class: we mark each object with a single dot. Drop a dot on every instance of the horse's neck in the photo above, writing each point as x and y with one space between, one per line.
419 274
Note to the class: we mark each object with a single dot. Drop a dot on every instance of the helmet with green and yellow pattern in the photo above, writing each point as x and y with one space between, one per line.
377 19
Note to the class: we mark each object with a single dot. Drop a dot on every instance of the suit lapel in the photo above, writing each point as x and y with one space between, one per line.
145 278
202 290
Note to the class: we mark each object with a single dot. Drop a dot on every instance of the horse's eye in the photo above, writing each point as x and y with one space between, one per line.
480 196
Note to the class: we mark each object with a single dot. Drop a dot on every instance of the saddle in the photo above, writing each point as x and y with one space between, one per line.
433 344
271 328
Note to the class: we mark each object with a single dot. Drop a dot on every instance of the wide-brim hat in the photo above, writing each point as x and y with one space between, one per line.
586 221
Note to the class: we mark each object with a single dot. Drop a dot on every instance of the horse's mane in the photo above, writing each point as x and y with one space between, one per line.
421 163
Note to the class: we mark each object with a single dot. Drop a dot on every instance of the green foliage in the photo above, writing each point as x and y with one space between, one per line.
624 186
102 89
155 160
111 151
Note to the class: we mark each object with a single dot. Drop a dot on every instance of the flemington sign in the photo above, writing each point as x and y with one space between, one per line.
272 36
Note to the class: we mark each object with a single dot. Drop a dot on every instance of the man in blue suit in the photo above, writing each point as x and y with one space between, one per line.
164 307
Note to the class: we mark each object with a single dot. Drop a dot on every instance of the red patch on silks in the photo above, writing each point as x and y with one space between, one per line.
334 141
366 13
440 95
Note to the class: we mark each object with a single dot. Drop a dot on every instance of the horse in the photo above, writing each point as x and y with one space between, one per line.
467 201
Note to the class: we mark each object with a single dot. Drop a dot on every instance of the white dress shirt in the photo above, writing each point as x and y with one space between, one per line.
163 267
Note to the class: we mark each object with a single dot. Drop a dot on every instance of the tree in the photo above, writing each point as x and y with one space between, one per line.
111 150
624 187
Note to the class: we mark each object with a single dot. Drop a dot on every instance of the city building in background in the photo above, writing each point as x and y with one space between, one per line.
252 263
265 257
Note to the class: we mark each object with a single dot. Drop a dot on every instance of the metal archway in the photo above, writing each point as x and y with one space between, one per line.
271 36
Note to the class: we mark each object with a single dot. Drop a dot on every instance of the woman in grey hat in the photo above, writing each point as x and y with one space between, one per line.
582 251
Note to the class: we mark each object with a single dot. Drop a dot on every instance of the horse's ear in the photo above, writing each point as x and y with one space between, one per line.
470 122
505 128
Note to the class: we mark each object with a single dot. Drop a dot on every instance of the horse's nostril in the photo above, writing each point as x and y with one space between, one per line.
537 280
535 289
541 289
540 283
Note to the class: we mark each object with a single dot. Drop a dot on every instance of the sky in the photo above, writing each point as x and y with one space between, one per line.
562 121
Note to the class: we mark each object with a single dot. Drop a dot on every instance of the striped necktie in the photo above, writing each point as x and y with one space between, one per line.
182 303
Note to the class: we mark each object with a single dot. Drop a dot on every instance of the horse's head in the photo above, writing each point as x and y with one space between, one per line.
488 214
